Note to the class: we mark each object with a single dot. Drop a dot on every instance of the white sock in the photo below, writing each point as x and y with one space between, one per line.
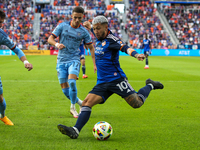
80 102
72 106
76 130
151 85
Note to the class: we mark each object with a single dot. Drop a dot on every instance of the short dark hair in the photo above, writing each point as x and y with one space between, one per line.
78 9
2 14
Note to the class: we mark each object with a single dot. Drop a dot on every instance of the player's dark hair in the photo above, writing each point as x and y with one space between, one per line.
78 9
2 14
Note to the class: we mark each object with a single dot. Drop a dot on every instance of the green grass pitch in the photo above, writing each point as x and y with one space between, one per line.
169 119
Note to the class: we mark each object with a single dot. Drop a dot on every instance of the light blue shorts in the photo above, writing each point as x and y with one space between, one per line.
1 87
64 69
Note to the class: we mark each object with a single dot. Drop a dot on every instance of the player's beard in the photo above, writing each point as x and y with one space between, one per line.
102 36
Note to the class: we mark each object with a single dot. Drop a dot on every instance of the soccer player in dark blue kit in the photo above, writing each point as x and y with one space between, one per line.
147 49
5 40
110 77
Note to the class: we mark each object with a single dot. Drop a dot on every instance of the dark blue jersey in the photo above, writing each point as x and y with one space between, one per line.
82 49
146 44
107 58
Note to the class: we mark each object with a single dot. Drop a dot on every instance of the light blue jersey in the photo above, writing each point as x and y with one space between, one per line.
71 38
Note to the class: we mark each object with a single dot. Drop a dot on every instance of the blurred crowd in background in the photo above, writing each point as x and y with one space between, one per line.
141 18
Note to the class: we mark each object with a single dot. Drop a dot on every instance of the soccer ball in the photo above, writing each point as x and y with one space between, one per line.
102 130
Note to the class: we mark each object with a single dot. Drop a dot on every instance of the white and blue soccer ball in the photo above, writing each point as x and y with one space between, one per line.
102 130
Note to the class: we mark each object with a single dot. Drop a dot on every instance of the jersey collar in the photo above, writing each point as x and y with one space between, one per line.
73 26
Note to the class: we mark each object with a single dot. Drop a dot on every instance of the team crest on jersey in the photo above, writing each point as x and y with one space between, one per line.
115 73
78 33
103 43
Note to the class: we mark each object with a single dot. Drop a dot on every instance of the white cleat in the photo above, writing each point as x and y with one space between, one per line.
74 112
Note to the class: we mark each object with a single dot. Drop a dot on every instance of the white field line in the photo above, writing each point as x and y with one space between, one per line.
45 81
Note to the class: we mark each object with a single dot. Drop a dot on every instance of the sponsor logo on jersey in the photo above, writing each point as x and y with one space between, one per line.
99 50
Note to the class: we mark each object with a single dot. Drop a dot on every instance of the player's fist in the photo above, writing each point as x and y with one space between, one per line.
87 25
28 66
59 46
140 57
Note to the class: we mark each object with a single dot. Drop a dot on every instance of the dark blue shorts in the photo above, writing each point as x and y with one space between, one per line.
119 86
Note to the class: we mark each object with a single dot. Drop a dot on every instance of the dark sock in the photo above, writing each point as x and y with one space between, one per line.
83 117
83 69
144 92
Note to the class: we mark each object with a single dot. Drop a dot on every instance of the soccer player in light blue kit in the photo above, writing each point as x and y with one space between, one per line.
5 40
110 77
147 49
70 36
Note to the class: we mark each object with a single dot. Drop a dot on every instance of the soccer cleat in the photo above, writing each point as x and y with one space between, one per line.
85 76
74 112
146 67
69 131
7 121
156 84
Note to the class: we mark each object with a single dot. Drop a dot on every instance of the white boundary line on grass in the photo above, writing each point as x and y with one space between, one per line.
45 81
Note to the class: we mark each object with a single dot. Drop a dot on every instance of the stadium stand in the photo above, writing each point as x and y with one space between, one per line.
185 22
141 18
19 22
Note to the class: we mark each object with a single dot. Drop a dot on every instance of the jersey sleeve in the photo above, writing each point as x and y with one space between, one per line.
57 31
8 42
117 44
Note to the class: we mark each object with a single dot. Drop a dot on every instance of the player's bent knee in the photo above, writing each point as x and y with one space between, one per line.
134 100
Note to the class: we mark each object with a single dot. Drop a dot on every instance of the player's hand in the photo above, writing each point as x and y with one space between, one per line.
28 66
87 25
59 46
95 68
140 57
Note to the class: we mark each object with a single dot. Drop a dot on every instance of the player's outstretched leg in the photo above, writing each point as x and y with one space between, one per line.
156 84
69 131
2 114
144 92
